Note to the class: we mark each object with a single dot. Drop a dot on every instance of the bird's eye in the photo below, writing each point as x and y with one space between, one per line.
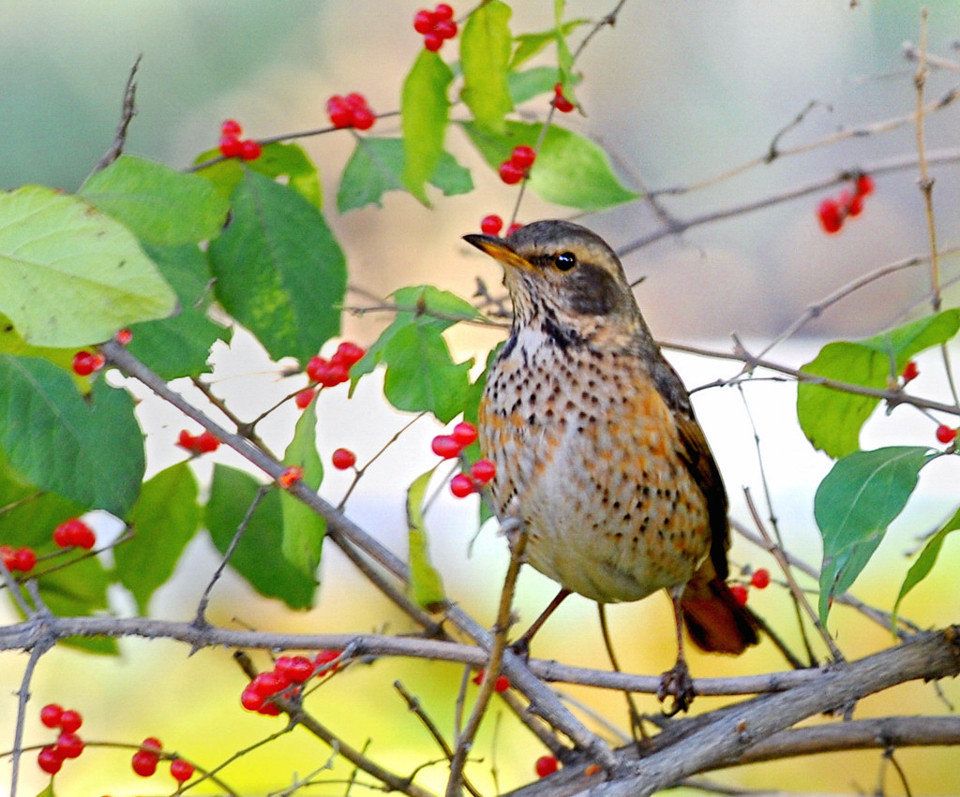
565 261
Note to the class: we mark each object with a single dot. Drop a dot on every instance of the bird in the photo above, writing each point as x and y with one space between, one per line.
599 457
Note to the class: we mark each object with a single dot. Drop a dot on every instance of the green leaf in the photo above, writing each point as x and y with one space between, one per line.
290 161
12 343
79 590
180 345
71 275
920 569
47 792
28 515
854 504
564 56
529 44
426 586
484 56
532 83
832 419
164 520
258 557
222 175
159 204
279 270
424 109
376 167
303 529
570 169
87 450
421 375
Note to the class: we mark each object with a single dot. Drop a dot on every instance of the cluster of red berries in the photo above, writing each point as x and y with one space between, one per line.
144 761
759 579
286 679
68 744
74 532
449 446
203 443
502 683
436 26
336 370
343 459
492 224
350 111
233 146
18 559
833 211
560 102
85 362
516 168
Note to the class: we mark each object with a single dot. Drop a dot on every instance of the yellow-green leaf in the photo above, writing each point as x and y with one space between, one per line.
484 57
424 109
426 586
303 529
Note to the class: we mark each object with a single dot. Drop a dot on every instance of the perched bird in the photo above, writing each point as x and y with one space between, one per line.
599 455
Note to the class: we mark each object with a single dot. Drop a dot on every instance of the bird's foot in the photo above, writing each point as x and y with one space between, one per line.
521 648
678 684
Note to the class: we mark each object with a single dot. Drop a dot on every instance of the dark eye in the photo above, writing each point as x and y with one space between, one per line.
565 261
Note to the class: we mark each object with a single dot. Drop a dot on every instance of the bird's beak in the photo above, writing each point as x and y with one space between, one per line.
498 249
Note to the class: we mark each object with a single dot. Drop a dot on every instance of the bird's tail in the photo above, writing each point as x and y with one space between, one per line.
715 620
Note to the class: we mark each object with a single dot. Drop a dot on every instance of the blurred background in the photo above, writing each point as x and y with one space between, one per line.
678 93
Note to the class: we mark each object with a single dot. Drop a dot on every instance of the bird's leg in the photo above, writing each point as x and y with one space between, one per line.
522 646
636 720
677 682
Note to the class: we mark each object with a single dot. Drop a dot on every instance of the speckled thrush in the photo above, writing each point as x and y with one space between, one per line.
598 452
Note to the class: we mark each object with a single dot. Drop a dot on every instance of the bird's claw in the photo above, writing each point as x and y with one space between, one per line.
678 684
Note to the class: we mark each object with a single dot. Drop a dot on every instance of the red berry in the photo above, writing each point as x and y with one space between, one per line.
231 127
50 715
69 745
462 485
9 556
852 204
445 29
186 440
123 336
324 657
251 699
910 372
830 217
269 709
297 668
347 354
945 434
336 374
363 118
50 760
355 101
144 763
433 41
344 458
70 720
865 185
181 770
513 228
442 12
24 560
424 21
546 765
491 225
84 537
152 745
316 368
74 532
304 397
207 442
445 446
290 476
502 684
250 150
523 156
560 102
339 112
230 146
760 578
510 173
84 363
483 471
740 594
464 433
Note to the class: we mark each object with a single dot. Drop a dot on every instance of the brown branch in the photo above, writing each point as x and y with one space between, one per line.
128 111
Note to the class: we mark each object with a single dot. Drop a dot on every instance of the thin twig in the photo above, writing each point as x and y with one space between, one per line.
129 110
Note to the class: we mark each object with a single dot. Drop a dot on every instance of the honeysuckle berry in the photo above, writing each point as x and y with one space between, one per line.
560 102
251 699
462 485
297 668
510 173
181 770
546 765
442 12
206 443
85 363
491 225
144 763
25 559
230 146
50 760
446 446
483 471
123 336
910 372
423 21
231 127
152 745
740 594
865 185
250 150
348 354
50 715
513 228
830 217
464 433
304 397
323 659
70 720
343 458
433 41
760 578
69 745
945 434
74 532
523 156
